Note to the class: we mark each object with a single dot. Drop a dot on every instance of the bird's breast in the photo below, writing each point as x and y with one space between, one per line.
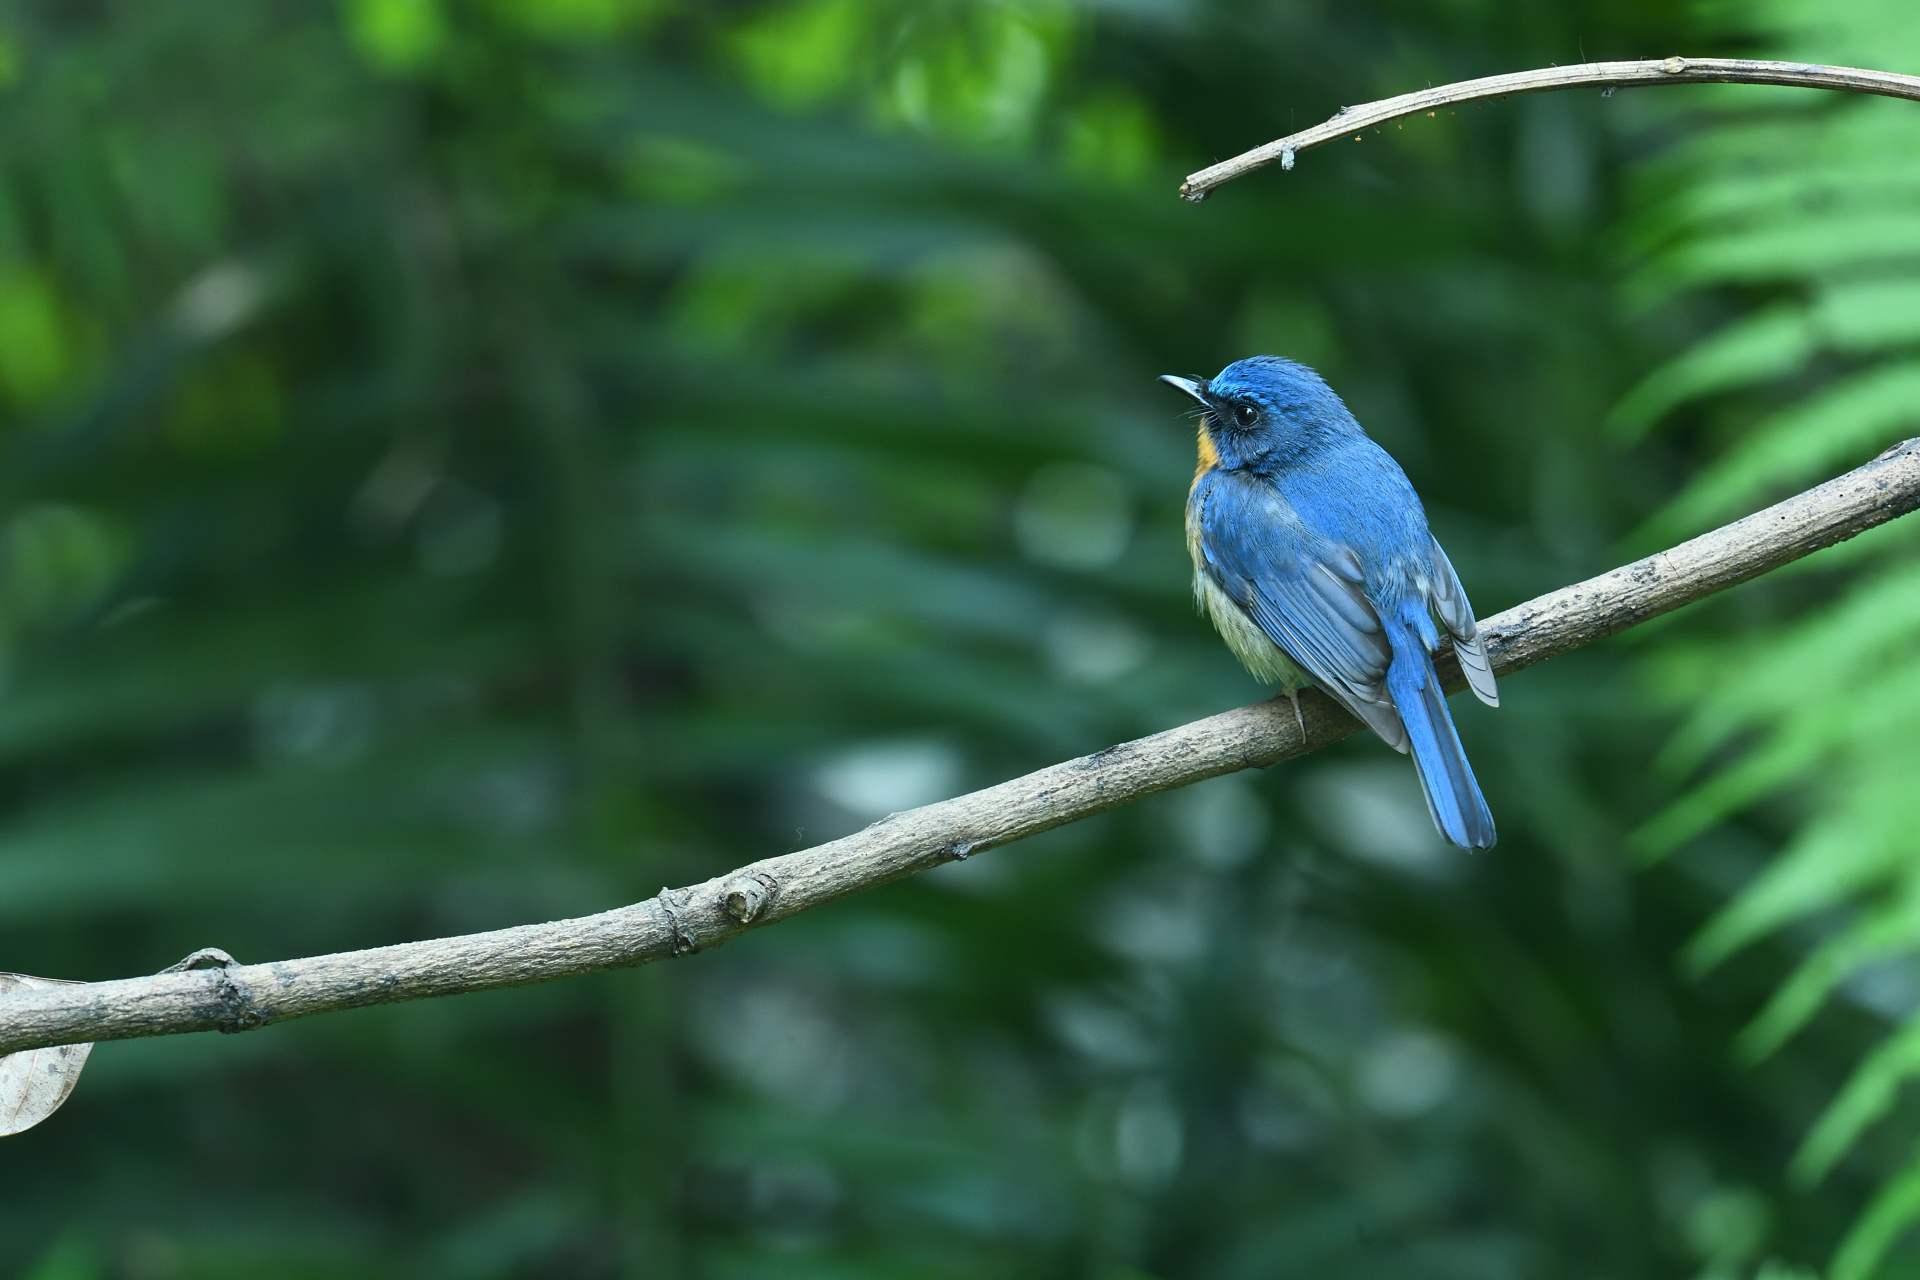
1196 502
1267 661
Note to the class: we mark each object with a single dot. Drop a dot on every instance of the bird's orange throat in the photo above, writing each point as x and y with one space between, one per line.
1209 456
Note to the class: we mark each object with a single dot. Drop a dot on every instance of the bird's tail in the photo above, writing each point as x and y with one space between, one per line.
1453 796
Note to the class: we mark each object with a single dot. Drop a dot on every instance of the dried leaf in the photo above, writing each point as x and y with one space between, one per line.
35 1082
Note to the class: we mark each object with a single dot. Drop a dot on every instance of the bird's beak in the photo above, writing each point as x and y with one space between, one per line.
1195 387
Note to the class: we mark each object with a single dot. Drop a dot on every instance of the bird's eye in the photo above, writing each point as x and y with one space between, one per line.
1246 413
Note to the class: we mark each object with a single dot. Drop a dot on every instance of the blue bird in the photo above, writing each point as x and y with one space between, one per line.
1311 556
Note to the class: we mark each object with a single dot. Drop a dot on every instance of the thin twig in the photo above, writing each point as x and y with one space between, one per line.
236 997
1352 121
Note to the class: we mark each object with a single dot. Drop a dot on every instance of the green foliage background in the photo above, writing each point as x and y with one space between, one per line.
470 462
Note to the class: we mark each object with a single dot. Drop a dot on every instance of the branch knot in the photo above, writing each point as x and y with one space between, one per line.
672 903
236 1002
746 896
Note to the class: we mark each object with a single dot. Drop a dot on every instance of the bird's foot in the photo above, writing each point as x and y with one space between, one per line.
1293 696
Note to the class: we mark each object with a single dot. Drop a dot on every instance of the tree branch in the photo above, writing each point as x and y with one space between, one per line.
238 997
1351 121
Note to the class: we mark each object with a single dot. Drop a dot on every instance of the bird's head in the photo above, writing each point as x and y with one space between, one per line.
1264 411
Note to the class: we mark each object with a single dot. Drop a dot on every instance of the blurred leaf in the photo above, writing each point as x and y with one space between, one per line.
1767 345
1885 932
397 35
35 1082
56 562
35 335
575 20
802 53
1892 1212
1852 420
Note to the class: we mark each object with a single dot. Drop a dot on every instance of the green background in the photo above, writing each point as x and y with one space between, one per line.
471 463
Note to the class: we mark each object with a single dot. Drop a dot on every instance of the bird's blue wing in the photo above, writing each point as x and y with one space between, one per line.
1303 591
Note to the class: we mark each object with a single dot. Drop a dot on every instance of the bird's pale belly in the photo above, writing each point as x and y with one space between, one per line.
1267 661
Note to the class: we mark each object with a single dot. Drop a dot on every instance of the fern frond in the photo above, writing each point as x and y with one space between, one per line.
1867 1097
1861 412
1796 206
1889 1215
1885 933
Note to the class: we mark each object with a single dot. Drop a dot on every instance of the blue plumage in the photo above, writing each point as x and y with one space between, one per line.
1311 554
